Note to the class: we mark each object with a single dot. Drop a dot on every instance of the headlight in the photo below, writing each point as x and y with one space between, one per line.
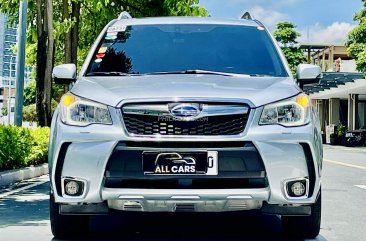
81 112
291 112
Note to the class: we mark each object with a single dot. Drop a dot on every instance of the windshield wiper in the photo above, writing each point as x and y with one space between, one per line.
262 75
196 71
109 74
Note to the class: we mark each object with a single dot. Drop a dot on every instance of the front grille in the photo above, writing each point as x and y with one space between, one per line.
206 126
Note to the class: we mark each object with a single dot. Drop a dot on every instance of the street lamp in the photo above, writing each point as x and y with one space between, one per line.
9 90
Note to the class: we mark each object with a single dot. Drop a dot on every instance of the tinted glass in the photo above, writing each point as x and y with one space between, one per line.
145 49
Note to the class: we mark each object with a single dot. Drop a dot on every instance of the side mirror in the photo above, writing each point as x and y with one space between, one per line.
308 74
64 74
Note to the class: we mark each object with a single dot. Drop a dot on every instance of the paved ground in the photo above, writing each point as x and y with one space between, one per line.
24 214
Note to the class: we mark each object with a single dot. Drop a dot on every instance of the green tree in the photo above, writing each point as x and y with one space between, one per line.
30 93
4 111
30 114
184 8
356 42
286 35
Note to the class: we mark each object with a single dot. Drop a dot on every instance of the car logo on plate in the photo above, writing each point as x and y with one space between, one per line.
185 110
174 163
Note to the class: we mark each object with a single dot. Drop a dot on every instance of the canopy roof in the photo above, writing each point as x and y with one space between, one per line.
337 85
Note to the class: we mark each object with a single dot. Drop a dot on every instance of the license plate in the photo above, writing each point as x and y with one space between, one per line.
180 163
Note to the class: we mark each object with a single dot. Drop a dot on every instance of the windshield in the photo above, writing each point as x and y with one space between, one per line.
148 49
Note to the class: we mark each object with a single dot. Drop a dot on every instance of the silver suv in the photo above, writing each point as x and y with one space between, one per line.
182 114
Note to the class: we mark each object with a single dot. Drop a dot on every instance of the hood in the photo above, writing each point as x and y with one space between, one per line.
257 90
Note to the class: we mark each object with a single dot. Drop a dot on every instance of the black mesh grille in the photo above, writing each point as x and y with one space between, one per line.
207 126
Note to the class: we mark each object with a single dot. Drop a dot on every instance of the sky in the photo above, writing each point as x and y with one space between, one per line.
318 21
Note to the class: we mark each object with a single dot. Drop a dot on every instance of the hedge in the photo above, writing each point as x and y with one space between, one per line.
39 150
21 147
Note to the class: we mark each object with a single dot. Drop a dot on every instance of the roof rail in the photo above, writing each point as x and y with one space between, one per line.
247 16
124 15
259 22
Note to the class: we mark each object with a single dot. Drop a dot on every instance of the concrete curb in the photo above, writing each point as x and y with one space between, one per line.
9 177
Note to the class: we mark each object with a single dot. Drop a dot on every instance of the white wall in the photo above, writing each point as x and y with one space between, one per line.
348 66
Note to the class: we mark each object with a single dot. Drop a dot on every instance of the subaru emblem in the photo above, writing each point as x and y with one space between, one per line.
185 110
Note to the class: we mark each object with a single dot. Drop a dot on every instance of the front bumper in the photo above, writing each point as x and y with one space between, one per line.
169 200
89 149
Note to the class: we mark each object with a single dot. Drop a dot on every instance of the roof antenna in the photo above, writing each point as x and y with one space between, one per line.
246 16
124 15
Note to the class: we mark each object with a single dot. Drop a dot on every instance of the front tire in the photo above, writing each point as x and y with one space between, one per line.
67 226
303 227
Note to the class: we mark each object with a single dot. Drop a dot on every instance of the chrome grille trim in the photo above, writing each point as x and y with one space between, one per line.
206 110
146 109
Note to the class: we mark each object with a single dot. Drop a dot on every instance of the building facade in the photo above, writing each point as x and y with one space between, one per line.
8 37
340 97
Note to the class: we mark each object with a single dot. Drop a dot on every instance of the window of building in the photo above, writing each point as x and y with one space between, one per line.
6 73
8 45
8 52
11 31
7 58
10 38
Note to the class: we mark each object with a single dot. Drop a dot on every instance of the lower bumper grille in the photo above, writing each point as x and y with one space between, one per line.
184 207
239 168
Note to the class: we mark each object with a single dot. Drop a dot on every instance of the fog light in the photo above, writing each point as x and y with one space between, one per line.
72 188
298 189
